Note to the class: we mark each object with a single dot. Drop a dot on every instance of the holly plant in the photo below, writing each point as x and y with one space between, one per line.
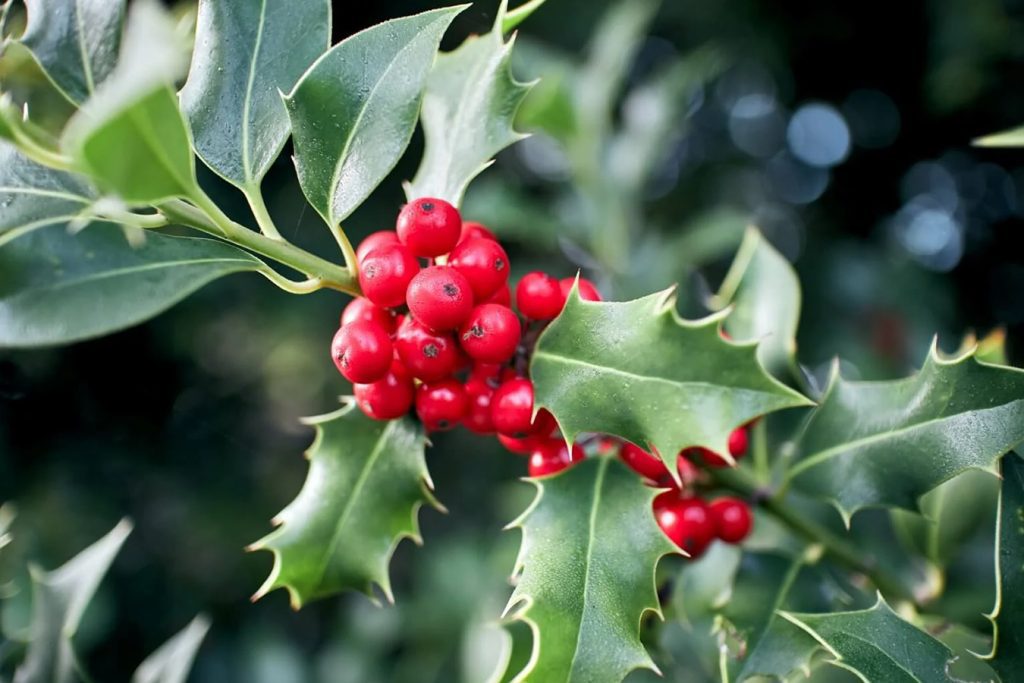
702 507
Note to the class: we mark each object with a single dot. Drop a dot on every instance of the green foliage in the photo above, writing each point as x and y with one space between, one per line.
367 481
57 287
172 661
1007 656
75 42
889 443
613 367
354 111
585 573
468 107
246 54
1007 138
877 645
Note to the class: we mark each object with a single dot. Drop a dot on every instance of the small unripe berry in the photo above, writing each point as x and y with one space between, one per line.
440 297
387 398
539 296
491 333
686 521
362 308
733 520
587 290
478 414
551 456
362 351
429 227
381 238
643 462
484 263
512 408
429 356
385 274
441 405
471 230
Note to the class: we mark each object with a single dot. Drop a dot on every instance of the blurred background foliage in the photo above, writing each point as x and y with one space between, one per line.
841 129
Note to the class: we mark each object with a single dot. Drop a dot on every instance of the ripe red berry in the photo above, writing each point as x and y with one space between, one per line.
522 446
487 372
552 455
686 520
385 274
428 355
733 520
539 296
429 226
362 308
642 462
738 442
491 333
503 297
374 240
471 230
512 409
588 292
688 472
484 263
387 398
441 405
362 351
478 414
440 297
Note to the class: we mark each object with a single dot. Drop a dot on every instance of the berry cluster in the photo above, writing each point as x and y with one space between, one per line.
687 519
435 331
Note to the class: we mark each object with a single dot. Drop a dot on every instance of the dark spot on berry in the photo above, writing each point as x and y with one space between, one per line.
475 331
450 290
431 350
443 424
427 206
499 264
371 270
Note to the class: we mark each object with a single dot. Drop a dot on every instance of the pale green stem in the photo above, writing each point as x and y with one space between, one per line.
762 469
254 196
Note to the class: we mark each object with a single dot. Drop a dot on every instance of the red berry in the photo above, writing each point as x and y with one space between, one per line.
387 398
552 455
642 462
484 263
385 274
381 238
487 372
522 446
471 230
440 297
362 351
503 297
687 521
707 456
428 355
429 226
539 296
478 415
738 442
512 409
362 308
733 520
441 405
688 472
588 292
491 333
544 423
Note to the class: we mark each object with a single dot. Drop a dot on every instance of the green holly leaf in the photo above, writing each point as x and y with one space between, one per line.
1007 138
765 295
889 443
1007 655
245 54
6 519
637 370
367 481
130 137
59 599
512 18
57 287
585 573
877 645
76 42
172 661
34 196
468 108
354 111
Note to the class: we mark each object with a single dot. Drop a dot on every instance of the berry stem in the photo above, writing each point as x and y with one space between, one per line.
207 217
837 547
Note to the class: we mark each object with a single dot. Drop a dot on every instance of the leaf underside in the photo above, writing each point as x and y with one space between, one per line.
889 443
636 370
585 573
367 481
